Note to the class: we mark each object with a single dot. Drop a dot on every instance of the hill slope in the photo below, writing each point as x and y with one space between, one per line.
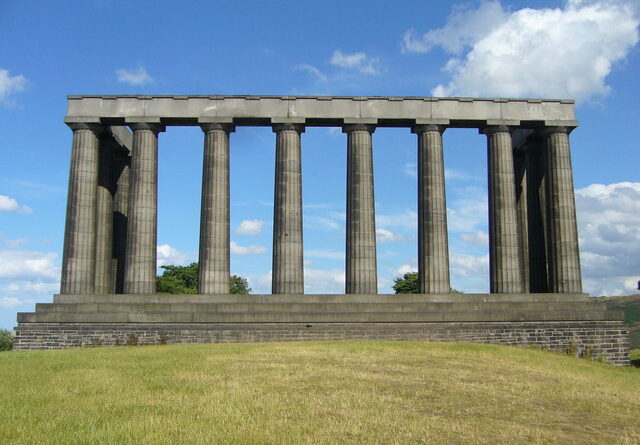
369 392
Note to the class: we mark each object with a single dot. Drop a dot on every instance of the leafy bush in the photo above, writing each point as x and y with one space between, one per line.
6 340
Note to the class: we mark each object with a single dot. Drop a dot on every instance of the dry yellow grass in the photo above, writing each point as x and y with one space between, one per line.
348 392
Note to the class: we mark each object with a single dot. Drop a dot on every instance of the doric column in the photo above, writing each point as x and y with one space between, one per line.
214 214
78 258
121 179
504 255
104 217
537 216
564 257
361 267
288 267
433 245
142 224
520 177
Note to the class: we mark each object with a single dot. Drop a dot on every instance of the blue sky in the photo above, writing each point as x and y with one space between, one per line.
582 49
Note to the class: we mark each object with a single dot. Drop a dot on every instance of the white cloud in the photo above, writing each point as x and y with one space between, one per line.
356 61
321 222
464 26
477 238
9 85
469 213
28 265
32 287
10 302
9 204
135 76
465 266
387 236
315 72
407 220
561 53
609 229
250 227
405 268
324 253
324 281
237 249
411 170
170 255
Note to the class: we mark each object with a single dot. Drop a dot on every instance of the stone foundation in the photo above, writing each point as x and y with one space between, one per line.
599 340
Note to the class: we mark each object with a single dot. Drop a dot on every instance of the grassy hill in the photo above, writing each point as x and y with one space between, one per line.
342 392
631 307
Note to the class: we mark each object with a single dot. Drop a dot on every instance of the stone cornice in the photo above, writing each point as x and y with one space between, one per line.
406 111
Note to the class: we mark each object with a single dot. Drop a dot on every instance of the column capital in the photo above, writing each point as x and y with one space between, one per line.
96 128
217 126
151 126
493 129
425 128
277 128
349 128
546 131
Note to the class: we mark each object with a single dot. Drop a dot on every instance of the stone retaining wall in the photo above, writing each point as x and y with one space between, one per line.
599 340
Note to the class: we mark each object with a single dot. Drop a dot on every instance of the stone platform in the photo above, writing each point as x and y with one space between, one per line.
560 322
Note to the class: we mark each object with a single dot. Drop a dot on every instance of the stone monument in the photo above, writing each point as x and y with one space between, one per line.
108 293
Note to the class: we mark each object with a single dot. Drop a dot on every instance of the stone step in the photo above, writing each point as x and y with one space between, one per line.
311 317
318 298
315 307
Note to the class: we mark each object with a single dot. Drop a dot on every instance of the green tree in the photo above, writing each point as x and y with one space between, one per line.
410 284
184 280
238 285
6 340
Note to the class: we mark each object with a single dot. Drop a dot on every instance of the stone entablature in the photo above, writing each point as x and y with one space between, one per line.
320 110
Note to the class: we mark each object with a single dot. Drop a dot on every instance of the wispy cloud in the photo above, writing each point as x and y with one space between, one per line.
358 61
237 249
315 72
135 76
9 85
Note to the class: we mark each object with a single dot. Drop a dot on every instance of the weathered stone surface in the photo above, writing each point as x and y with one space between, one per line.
433 244
214 216
505 274
79 254
288 263
361 263
607 340
142 224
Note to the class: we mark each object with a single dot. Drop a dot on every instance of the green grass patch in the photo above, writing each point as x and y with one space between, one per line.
338 392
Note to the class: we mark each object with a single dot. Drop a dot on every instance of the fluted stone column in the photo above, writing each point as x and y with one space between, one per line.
520 177
361 265
288 266
537 216
564 258
104 217
214 216
121 179
433 244
78 257
504 255
142 224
